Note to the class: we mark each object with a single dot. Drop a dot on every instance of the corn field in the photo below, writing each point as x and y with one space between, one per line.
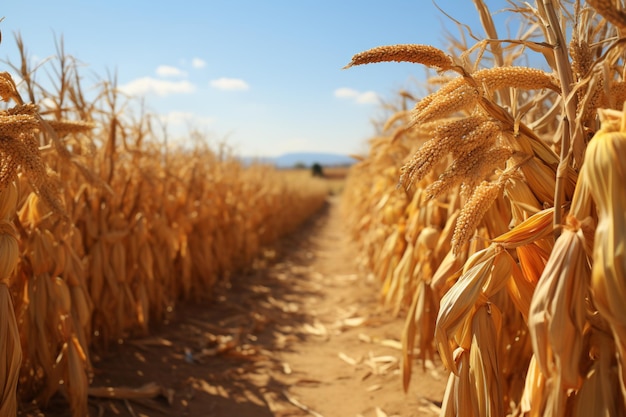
106 227
493 211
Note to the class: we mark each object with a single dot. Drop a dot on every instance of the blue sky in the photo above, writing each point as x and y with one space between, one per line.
265 75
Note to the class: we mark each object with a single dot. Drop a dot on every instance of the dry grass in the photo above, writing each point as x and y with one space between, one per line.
477 210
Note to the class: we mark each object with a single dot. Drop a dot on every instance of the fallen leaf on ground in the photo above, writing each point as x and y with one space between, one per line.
347 359
307 381
380 413
149 390
381 364
354 321
300 405
384 358
395 344
286 368
317 329
151 341
365 338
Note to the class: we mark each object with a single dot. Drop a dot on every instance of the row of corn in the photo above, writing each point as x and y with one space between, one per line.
104 228
493 212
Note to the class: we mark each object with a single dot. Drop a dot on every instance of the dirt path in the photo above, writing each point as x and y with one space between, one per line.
301 335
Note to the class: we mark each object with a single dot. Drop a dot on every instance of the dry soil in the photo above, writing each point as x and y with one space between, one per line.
301 334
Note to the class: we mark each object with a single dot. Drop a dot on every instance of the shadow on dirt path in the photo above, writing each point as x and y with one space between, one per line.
302 333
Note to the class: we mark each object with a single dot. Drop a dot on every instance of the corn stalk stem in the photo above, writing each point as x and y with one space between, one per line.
564 71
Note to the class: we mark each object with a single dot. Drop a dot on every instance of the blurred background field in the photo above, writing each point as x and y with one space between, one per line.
333 178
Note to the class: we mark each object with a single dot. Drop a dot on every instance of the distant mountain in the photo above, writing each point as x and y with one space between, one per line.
289 160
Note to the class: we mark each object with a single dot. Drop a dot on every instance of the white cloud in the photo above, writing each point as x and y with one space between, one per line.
169 71
198 63
186 119
147 85
366 97
345 92
230 84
